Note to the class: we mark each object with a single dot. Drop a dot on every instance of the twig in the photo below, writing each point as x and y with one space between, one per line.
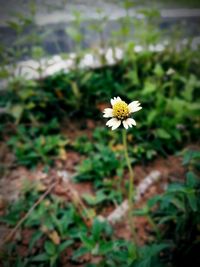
74 197
13 231
78 203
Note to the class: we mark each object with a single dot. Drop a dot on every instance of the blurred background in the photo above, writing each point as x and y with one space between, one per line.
64 26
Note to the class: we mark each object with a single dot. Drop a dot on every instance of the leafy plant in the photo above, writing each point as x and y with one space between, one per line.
177 218
100 165
191 159
166 82
105 195
34 145
83 145
54 226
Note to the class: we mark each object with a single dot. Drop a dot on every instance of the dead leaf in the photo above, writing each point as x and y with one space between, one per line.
62 154
130 137
44 229
40 187
54 237
118 147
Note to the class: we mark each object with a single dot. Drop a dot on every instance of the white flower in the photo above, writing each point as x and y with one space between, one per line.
120 113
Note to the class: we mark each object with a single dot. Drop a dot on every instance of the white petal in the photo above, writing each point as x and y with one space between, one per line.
116 125
134 106
131 122
108 112
114 100
125 124
111 122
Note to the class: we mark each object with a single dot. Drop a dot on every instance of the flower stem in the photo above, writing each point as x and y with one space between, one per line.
131 183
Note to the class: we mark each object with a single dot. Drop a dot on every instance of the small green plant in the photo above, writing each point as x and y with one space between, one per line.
32 146
107 250
97 243
170 117
178 214
53 226
191 159
100 165
108 194
83 145
175 217
112 252
169 120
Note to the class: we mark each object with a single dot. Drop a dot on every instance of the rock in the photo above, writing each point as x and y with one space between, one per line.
121 211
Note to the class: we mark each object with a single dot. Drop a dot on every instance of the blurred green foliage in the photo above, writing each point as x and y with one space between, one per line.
166 83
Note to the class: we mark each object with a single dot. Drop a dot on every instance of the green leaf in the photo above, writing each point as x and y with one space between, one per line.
162 134
191 179
187 157
37 52
179 204
192 201
153 201
41 257
149 88
144 263
154 249
159 70
16 111
152 115
74 34
105 247
65 245
53 260
150 153
176 187
50 247
87 242
141 212
80 252
132 252
96 229
165 219
90 199
35 237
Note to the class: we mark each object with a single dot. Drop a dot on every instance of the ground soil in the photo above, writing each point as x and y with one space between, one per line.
14 177
13 181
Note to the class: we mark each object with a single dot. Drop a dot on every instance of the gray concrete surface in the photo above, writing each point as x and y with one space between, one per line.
54 17
50 11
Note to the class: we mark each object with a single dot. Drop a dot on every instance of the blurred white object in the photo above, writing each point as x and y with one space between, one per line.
121 211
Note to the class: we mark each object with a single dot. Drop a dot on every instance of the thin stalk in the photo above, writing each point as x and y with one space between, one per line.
131 184
119 187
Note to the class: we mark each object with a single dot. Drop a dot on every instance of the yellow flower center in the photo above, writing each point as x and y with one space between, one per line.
120 110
